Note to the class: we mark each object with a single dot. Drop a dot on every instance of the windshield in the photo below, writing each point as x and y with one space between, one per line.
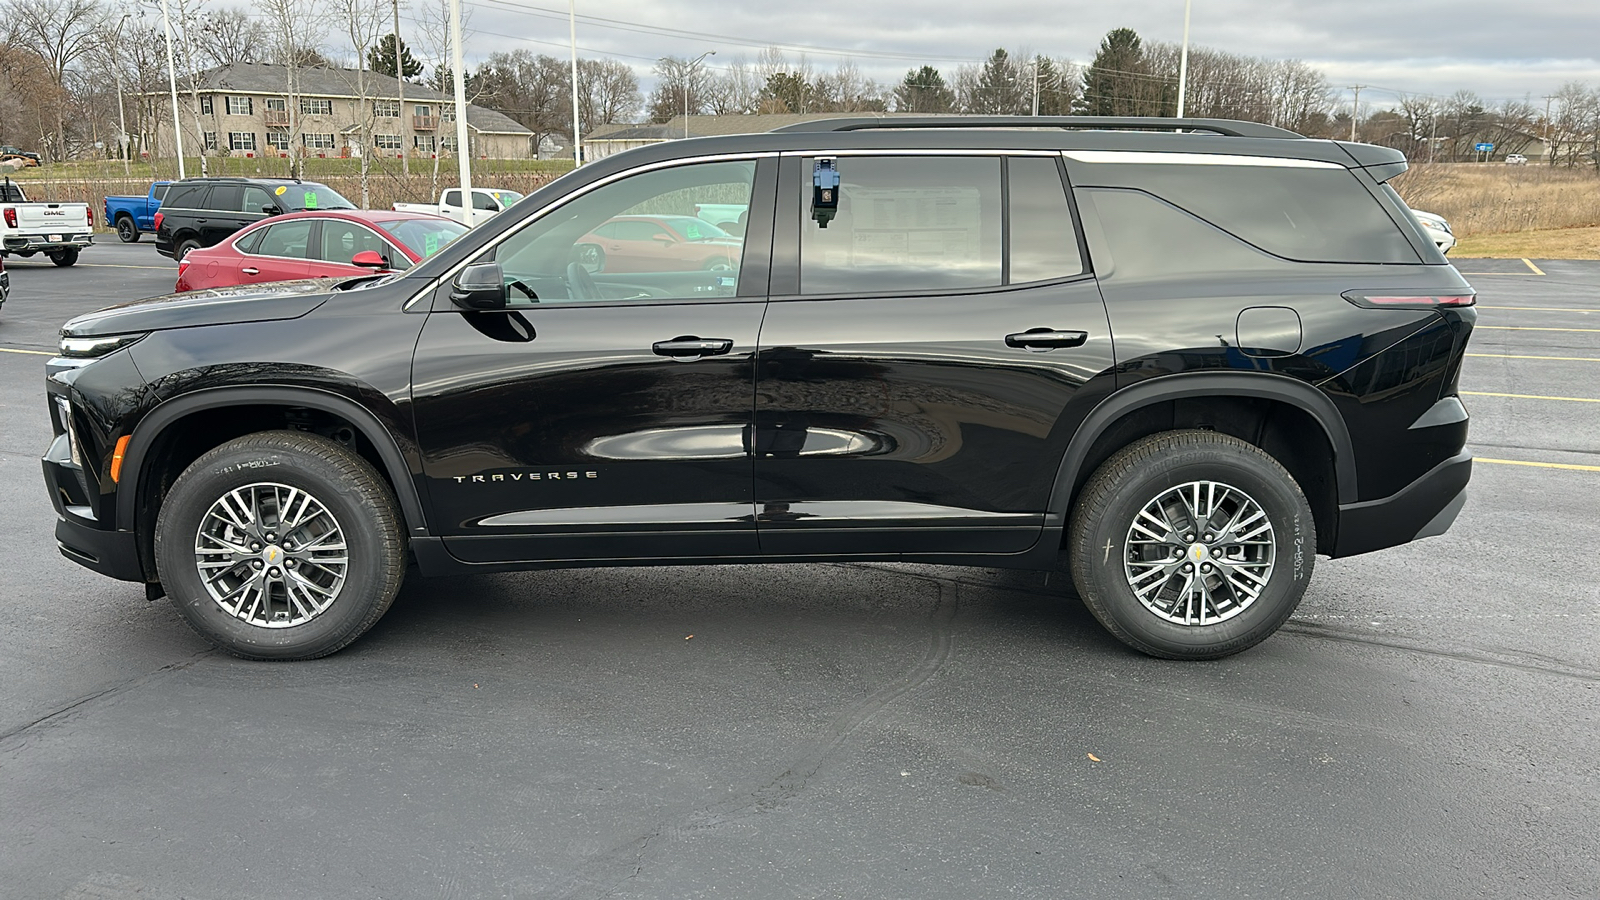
425 237
296 197
696 229
506 198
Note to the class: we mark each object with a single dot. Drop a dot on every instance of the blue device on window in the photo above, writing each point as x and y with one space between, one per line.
824 192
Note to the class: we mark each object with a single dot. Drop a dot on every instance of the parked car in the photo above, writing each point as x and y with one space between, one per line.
1516 159
1188 354
5 283
333 244
201 212
1438 230
58 230
9 152
132 216
658 244
486 204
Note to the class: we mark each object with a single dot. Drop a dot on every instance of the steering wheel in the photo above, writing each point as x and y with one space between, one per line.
579 283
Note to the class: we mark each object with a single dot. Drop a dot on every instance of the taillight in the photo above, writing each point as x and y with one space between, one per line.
1410 300
159 215
11 216
91 217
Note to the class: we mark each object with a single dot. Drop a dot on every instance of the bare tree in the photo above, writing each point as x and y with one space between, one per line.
608 92
298 26
364 22
59 32
227 36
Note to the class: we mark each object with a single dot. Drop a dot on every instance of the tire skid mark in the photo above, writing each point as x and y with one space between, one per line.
603 875
121 687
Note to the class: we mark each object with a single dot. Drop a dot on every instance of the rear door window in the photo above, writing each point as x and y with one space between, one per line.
909 223
287 239
225 197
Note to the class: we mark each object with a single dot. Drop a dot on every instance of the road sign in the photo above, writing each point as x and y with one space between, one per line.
1483 148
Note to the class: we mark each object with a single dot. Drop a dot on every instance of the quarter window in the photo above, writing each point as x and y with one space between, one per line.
914 223
563 256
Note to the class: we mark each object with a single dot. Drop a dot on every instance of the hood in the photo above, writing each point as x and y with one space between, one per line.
215 306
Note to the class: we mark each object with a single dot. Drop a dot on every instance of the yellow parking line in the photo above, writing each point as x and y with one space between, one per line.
1515 356
1521 462
1536 269
1543 308
1528 328
1531 397
30 352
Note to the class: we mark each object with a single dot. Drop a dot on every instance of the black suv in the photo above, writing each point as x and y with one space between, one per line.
201 212
1189 354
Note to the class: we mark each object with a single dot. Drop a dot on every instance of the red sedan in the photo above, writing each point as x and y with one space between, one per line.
318 244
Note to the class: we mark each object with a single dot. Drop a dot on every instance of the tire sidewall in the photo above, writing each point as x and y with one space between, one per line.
1294 554
126 231
225 469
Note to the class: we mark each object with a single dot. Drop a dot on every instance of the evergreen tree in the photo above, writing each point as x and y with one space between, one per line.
380 58
924 91
1001 88
1119 81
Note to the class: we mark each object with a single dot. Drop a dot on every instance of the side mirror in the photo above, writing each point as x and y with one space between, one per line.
369 259
269 209
664 238
479 287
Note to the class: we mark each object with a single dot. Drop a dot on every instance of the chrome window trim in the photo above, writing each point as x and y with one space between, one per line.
434 284
1146 157
983 151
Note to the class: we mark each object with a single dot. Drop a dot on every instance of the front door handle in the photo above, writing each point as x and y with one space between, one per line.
250 270
1042 339
691 347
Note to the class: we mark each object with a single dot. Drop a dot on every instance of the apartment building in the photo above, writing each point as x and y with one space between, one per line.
244 111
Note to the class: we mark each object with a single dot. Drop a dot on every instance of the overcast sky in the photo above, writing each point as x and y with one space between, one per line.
1499 48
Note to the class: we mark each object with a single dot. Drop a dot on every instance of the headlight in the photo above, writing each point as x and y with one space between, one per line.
64 410
94 347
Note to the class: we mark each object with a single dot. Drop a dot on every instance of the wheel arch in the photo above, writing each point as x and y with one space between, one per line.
156 425
1098 436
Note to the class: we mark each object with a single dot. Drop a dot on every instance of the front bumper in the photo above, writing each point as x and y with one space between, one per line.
1424 508
78 535
23 243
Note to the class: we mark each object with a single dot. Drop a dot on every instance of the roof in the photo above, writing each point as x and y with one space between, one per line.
319 81
629 133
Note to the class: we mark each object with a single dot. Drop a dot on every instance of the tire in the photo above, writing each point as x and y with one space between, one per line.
1158 473
717 264
272 471
64 257
184 247
127 232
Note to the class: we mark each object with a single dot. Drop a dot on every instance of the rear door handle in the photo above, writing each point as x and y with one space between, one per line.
1041 339
691 347
251 270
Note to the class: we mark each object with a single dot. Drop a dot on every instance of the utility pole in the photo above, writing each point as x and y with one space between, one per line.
172 83
400 93
1549 149
122 119
1183 61
688 80
1355 110
458 74
577 139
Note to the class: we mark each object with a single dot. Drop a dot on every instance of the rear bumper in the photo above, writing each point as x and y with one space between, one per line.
1424 508
21 243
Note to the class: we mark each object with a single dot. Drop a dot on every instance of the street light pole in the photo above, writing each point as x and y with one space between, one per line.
122 118
688 79
400 95
172 83
458 69
1183 60
577 139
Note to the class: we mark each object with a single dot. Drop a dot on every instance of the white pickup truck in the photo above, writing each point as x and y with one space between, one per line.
58 230
486 203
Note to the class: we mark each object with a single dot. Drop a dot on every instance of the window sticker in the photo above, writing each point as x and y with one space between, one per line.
430 244
692 231
311 199
915 227
281 189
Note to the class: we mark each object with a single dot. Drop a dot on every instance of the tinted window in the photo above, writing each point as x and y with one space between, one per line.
1152 239
187 196
451 198
904 224
247 244
291 239
343 240
160 191
541 256
225 197
1044 244
482 200
1312 212
255 199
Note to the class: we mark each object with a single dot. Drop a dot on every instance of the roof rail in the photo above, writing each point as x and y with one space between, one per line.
1226 127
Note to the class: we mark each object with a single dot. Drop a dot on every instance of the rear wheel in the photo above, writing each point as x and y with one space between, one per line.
184 247
64 257
280 545
1191 545
126 230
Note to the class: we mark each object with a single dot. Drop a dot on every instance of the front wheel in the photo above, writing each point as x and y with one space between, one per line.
64 257
127 232
280 545
1191 545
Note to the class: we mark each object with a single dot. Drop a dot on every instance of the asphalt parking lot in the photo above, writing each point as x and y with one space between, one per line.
1424 727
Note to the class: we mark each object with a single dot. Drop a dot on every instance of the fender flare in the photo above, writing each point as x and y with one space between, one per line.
1298 394
155 423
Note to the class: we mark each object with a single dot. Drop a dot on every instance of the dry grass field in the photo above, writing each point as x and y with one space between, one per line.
1494 198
